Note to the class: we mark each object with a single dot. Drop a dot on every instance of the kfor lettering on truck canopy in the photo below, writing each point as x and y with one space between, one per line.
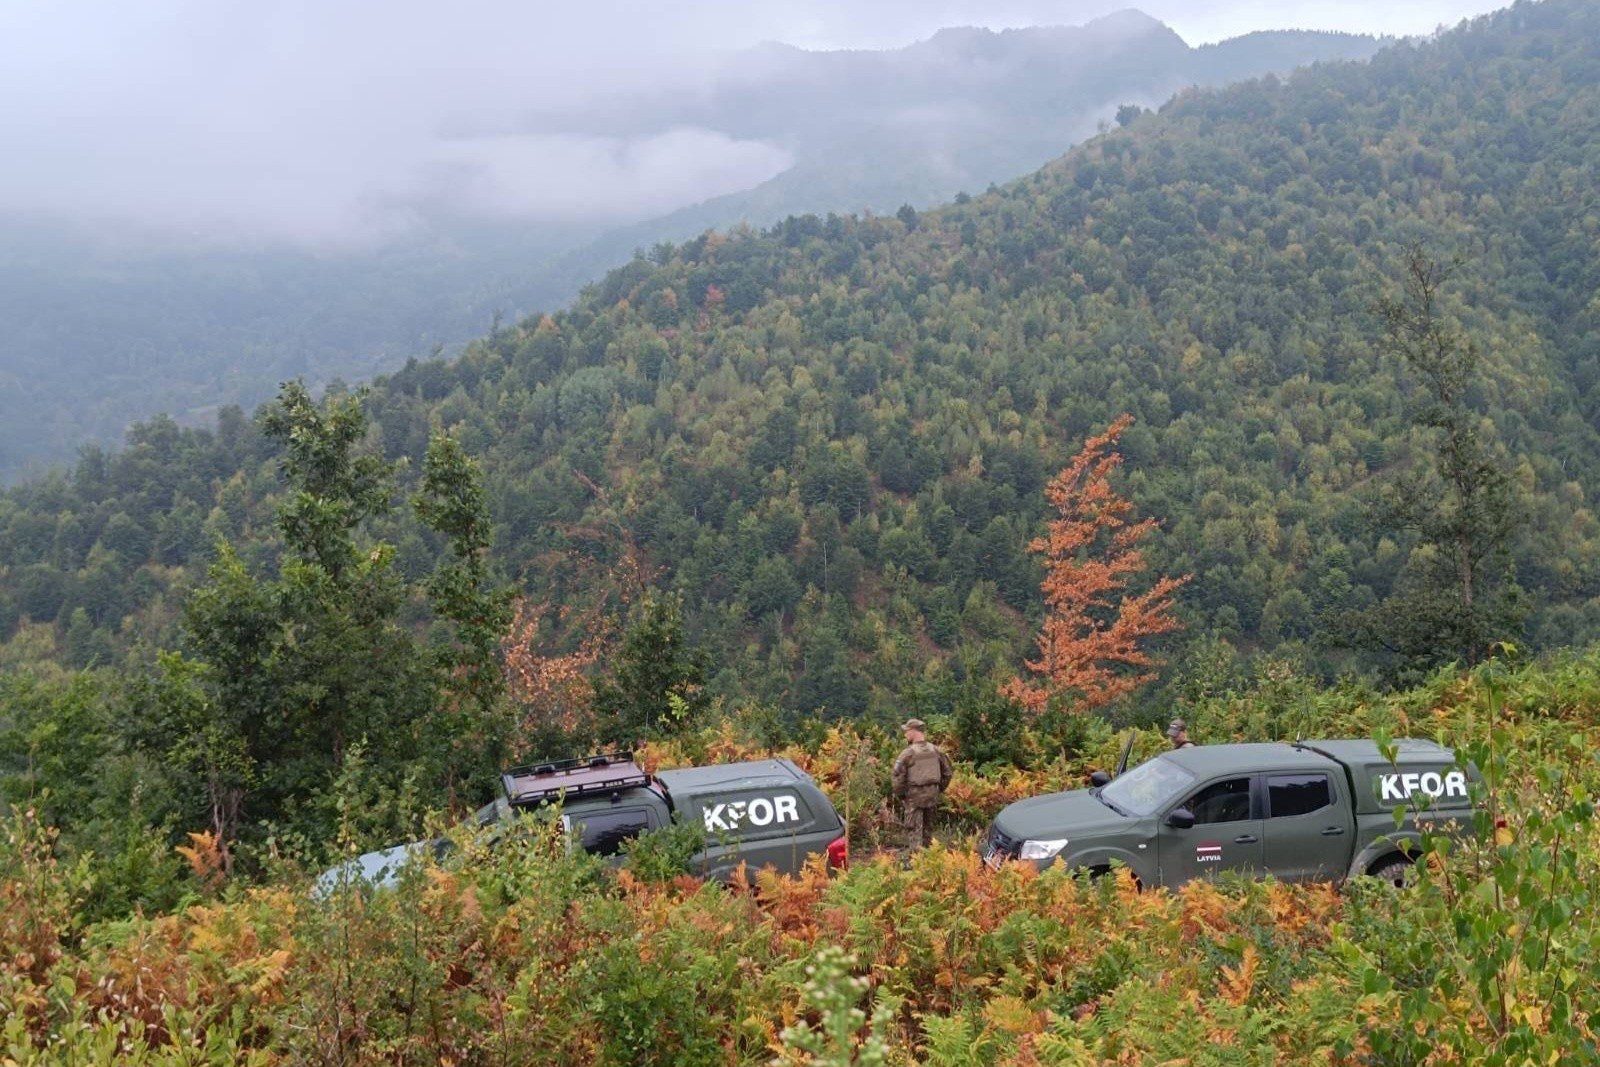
1420 769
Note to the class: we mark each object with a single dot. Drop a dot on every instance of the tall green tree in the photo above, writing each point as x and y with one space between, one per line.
347 668
463 592
284 673
657 683
1458 596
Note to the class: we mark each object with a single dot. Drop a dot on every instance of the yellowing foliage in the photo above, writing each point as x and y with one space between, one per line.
529 955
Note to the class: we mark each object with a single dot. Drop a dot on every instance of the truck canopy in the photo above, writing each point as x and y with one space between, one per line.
761 798
684 782
1423 773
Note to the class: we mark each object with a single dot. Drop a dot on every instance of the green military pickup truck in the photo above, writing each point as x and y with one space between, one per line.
1308 811
764 813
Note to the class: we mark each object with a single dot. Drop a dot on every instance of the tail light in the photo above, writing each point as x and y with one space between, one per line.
839 853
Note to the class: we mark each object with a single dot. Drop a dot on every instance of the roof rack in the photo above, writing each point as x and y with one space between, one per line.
605 772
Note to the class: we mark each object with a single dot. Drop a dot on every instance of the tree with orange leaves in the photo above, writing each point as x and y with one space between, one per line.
554 693
1090 650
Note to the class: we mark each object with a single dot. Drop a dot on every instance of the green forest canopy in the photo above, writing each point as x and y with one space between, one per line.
831 435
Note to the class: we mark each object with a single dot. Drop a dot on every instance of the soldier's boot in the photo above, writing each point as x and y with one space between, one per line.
926 826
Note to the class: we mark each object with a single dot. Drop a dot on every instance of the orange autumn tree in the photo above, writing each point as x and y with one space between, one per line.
552 692
1090 645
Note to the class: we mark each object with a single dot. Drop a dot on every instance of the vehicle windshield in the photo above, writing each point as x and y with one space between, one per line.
491 813
1143 790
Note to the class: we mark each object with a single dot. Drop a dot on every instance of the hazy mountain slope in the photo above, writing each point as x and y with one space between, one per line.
99 329
967 108
832 436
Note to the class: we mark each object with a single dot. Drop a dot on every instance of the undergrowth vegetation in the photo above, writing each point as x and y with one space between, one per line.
524 953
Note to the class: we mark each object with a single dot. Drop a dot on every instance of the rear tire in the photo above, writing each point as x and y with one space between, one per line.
1397 870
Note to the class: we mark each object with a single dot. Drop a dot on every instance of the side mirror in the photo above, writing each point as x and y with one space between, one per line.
1180 819
1099 778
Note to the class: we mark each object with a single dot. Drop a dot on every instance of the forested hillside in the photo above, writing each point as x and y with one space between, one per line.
101 325
1294 386
832 436
101 329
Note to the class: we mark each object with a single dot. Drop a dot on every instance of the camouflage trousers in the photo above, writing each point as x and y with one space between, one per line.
919 826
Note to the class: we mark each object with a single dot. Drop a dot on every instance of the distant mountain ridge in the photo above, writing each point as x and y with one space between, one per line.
965 109
94 335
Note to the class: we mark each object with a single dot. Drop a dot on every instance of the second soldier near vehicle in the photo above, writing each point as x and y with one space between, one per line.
921 775
1178 734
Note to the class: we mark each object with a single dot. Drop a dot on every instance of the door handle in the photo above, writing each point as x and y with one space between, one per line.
1333 831
1245 839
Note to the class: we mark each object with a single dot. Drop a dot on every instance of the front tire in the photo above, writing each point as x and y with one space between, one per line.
1102 871
1397 871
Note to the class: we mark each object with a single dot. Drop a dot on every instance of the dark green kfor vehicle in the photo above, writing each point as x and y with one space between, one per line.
761 813
1308 811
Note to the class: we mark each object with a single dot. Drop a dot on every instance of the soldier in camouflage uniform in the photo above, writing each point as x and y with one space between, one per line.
921 775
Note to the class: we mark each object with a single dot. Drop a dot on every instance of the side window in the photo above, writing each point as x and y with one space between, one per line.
1224 801
606 833
1297 794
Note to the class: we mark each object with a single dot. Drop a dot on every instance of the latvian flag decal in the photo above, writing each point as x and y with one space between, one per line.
1208 852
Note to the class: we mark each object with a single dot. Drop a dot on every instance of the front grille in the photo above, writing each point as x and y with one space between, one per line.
996 843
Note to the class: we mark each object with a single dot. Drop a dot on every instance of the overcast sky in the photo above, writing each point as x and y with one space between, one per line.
336 123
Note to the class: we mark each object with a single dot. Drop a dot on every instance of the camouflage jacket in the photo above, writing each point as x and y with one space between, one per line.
921 773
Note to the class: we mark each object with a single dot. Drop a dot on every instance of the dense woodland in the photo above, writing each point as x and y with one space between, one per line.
1304 372
831 437
101 328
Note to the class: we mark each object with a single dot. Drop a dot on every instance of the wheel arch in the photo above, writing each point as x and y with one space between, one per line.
1103 858
1407 844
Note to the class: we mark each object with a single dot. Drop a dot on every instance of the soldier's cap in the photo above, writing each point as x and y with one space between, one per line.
1176 727
913 724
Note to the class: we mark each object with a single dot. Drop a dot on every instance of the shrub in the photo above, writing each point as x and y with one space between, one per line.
516 950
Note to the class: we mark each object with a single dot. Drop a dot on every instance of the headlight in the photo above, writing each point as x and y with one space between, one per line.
1041 850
